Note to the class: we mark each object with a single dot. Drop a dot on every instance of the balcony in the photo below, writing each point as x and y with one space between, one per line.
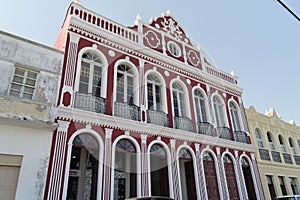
157 117
183 123
126 111
297 159
224 132
241 136
276 156
90 103
206 128
287 158
264 154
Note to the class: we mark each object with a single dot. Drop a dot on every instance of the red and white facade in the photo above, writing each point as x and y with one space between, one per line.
142 112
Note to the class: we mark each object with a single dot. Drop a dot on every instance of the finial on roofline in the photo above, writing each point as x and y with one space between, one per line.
77 1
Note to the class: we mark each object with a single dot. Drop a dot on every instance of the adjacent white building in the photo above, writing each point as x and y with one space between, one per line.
30 74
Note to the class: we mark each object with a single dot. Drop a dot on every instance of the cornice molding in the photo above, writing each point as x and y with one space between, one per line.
112 122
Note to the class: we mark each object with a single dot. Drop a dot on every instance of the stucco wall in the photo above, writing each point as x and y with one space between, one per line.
34 146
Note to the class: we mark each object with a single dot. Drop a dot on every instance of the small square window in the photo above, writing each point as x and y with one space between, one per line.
23 83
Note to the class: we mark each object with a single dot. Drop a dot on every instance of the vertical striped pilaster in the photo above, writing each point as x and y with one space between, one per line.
199 172
257 177
107 164
56 176
224 191
145 167
243 189
174 170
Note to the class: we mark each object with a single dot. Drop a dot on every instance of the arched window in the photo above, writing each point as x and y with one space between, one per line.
235 117
83 174
125 174
178 100
281 143
259 140
159 171
230 177
292 147
270 140
219 112
248 179
187 175
200 107
125 85
90 74
210 176
154 93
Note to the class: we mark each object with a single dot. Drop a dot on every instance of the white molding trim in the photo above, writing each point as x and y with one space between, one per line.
113 122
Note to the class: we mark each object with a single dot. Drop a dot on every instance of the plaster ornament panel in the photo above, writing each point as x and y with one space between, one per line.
152 39
167 74
171 27
188 81
193 57
111 53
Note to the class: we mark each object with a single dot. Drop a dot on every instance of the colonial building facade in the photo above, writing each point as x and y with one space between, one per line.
278 154
30 74
143 112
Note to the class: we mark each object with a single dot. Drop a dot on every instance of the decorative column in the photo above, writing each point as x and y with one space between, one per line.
174 167
67 90
242 186
210 106
55 182
260 192
107 164
243 115
201 189
142 91
145 169
224 194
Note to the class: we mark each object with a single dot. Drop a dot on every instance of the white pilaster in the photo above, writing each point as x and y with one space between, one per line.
107 164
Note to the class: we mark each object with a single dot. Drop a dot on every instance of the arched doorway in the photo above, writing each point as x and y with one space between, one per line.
187 175
83 173
125 170
159 171
210 177
230 178
248 179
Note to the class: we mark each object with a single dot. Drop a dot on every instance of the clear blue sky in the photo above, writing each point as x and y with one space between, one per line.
257 39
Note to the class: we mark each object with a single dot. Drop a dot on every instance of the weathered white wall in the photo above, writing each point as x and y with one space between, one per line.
34 145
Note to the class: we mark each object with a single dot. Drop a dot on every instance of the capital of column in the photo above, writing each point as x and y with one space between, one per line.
74 37
108 133
173 142
63 125
144 138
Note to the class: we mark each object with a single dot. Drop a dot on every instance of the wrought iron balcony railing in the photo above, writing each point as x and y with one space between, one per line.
287 158
127 111
276 156
183 123
224 132
241 136
205 128
90 103
297 159
264 154
158 117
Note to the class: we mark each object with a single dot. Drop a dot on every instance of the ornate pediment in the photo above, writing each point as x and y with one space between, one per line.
170 26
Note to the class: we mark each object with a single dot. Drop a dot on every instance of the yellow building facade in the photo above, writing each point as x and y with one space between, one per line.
278 152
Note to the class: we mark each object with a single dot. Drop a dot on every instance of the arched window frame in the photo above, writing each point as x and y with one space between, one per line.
104 67
259 139
207 115
223 112
190 150
270 139
187 108
292 146
138 161
235 172
252 174
135 80
165 147
235 120
282 143
100 158
163 90
207 150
